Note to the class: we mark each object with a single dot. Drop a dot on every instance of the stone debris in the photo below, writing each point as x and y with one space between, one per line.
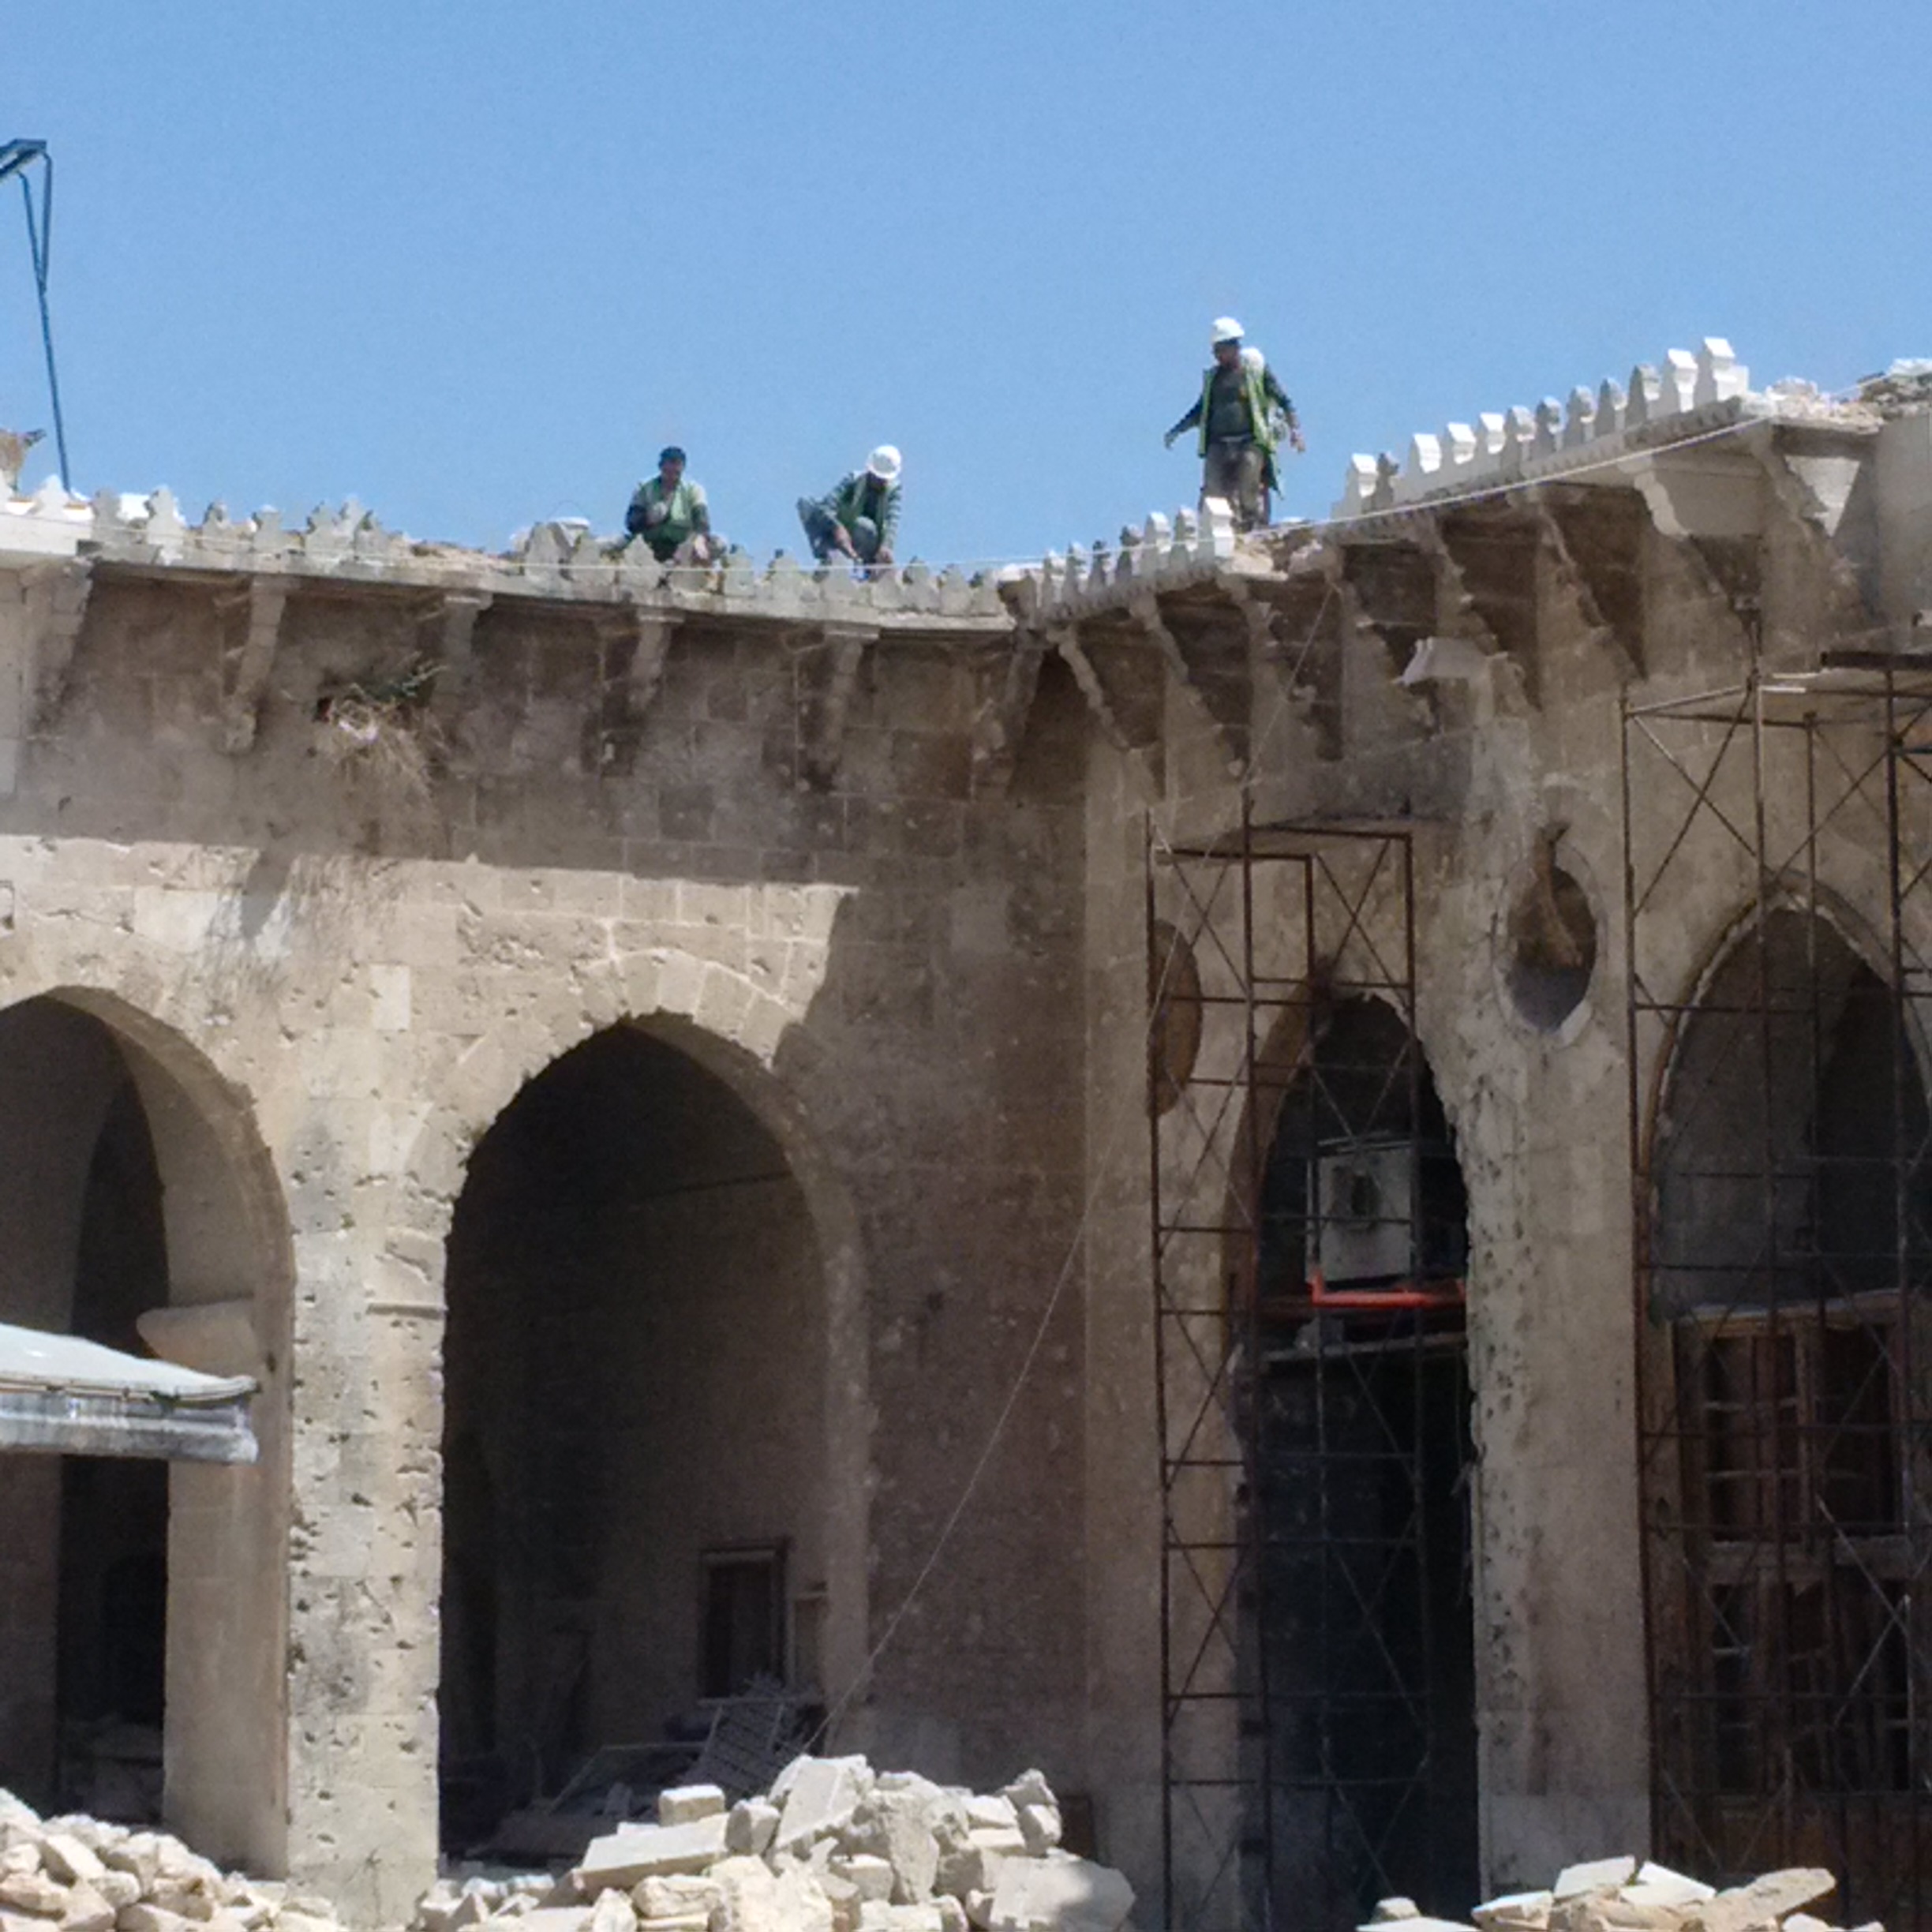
833 1846
79 1875
1621 1895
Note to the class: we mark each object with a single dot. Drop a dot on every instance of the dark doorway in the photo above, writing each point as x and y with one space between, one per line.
1364 1640
634 1425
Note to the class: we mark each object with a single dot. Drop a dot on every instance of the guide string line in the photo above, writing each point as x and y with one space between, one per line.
1102 1174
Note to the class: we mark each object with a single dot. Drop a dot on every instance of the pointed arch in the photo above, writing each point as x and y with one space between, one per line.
83 1071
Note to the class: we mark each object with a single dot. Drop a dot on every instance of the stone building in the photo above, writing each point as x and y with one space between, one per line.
653 1076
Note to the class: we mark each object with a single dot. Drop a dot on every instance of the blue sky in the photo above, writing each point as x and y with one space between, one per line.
473 263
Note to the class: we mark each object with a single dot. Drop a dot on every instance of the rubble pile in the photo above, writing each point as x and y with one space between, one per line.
77 1874
834 1846
1620 1895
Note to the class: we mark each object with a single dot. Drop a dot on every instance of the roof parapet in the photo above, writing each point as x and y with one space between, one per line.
564 559
1684 395
555 559
1190 543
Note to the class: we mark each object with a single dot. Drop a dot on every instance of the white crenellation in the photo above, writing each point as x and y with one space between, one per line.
557 559
1685 394
1680 374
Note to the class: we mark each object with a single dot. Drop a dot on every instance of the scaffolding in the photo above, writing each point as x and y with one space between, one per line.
1778 1134
1317 1731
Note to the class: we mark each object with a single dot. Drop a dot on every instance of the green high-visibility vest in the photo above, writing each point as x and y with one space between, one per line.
1260 422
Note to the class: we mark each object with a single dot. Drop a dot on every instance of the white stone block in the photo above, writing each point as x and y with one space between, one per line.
1068 1894
87 1911
869 1875
750 1827
993 1812
35 1892
802 1904
686 1804
1513 1910
1594 1875
670 1895
820 1797
636 1852
1039 1826
555 1918
975 1866
1657 1885
873 1917
612 1913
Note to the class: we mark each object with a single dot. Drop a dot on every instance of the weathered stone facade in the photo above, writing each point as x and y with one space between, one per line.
333 845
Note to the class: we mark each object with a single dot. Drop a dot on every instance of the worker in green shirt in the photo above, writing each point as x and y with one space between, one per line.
1237 413
858 517
670 514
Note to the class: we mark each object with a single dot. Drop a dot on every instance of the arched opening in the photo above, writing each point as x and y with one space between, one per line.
1786 1415
640 1569
140 1601
1362 1629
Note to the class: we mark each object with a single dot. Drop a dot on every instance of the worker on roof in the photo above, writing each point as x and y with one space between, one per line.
859 517
1255 364
1236 414
668 511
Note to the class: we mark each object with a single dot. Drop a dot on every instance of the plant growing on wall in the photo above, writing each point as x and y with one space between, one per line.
380 730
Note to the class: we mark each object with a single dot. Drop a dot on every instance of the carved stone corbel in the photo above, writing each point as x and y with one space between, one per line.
1007 678
251 627
829 670
632 646
55 597
446 634
1210 662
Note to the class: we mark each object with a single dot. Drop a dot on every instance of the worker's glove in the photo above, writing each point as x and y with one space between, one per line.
1295 441
1167 441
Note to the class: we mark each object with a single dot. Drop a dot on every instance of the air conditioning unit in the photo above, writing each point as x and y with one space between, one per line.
1366 1234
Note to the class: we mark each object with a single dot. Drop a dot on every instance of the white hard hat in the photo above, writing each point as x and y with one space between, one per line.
885 463
1226 329
1252 359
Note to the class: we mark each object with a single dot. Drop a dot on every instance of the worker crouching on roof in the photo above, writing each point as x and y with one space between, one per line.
670 514
859 517
1240 413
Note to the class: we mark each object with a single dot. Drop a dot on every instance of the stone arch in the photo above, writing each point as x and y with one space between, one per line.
1781 1406
228 1276
497 1079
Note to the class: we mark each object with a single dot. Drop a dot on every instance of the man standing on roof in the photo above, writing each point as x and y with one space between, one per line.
859 517
669 512
1254 363
1235 416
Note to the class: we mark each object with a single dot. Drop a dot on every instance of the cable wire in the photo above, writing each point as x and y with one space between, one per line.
40 247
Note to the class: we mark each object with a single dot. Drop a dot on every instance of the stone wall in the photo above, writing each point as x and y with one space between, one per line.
347 841
776 850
